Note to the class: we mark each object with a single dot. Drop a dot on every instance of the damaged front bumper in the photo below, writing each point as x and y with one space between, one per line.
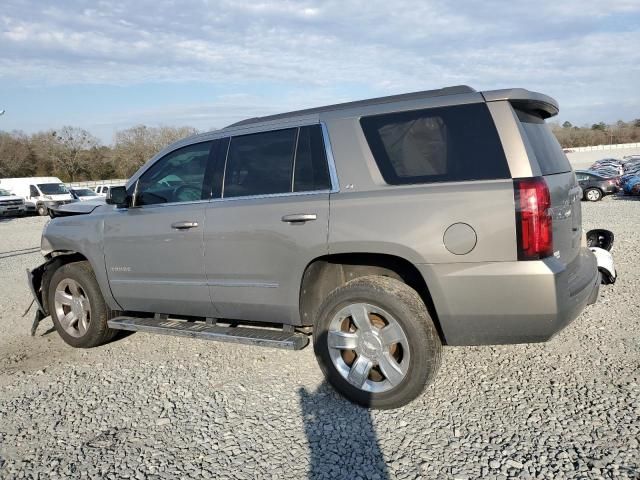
34 279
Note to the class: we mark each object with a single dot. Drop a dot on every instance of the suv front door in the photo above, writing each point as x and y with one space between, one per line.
271 221
154 250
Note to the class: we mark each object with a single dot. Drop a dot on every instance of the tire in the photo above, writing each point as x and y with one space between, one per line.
76 281
42 210
593 194
400 363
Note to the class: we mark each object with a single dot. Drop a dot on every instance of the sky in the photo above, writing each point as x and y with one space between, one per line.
106 65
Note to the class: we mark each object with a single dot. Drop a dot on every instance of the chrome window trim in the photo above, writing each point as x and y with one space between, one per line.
269 195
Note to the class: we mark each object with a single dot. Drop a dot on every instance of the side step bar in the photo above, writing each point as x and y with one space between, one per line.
262 337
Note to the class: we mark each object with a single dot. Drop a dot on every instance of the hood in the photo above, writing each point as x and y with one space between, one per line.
76 208
10 197
92 198
61 196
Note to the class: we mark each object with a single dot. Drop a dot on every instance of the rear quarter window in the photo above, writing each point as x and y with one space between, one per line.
549 154
446 144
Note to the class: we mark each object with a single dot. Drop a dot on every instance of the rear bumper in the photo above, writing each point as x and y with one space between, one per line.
510 302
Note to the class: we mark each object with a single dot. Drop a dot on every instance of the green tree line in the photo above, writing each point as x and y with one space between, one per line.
74 154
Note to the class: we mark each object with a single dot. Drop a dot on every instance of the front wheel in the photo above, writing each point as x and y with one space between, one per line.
42 210
592 194
376 343
77 307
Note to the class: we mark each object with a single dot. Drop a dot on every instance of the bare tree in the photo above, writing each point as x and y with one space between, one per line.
67 149
135 145
16 156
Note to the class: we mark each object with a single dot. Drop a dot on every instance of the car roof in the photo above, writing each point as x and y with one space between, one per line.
547 105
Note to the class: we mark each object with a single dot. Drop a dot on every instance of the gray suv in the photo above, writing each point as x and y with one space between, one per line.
386 228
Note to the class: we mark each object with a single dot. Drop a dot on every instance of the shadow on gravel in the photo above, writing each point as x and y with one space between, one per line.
342 440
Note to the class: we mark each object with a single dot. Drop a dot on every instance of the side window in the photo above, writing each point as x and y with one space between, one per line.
436 145
33 191
176 177
260 164
311 170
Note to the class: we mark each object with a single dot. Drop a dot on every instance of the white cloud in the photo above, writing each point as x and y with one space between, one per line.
578 50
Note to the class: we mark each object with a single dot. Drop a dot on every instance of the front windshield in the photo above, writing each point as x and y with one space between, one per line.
53 188
4 193
85 192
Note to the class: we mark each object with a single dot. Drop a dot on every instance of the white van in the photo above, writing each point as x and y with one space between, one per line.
39 193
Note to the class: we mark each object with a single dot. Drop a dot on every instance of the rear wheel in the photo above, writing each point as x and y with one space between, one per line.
376 343
77 307
592 194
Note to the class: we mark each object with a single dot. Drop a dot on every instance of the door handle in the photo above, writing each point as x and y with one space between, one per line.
184 225
299 217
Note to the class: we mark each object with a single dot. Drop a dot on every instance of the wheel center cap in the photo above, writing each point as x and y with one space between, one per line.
76 306
370 345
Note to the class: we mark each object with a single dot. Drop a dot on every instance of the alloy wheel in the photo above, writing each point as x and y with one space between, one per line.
368 347
72 307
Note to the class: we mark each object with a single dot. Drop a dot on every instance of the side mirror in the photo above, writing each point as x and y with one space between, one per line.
117 196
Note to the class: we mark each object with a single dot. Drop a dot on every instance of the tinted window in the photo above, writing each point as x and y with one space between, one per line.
311 170
33 191
436 145
260 164
546 148
53 188
177 177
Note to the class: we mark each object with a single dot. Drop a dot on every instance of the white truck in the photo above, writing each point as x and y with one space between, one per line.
103 190
11 204
39 193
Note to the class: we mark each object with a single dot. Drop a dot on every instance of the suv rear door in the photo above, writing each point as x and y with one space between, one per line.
270 222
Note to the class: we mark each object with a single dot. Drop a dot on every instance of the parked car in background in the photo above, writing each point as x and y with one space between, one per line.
103 190
11 204
40 193
595 186
84 194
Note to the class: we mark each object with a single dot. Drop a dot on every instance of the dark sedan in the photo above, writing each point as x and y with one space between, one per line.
595 186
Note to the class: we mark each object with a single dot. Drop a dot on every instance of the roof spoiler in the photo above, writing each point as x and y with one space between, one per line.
527 100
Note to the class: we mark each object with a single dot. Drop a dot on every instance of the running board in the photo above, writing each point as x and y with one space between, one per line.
262 337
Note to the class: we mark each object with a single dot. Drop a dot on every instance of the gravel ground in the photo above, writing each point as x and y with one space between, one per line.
162 407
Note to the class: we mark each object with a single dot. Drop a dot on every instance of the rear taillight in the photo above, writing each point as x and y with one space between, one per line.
533 218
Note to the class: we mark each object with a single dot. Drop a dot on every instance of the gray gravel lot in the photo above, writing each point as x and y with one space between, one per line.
163 407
